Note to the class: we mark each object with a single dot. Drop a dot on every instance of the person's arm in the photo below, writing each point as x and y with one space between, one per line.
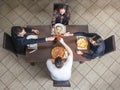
84 34
100 51
66 47
39 40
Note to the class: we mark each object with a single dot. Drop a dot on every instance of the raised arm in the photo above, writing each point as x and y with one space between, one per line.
66 47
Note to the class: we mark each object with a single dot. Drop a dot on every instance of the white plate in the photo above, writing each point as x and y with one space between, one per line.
62 31
32 46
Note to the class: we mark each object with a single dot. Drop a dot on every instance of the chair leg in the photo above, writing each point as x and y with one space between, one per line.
32 63
81 62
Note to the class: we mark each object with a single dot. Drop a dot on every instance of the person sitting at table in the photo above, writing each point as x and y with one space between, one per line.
97 45
19 37
61 71
61 15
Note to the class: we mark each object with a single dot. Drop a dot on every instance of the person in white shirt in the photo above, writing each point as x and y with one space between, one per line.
61 71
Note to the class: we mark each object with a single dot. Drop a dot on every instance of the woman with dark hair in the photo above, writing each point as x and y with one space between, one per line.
97 45
61 15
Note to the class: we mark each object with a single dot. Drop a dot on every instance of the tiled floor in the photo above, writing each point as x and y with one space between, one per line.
102 16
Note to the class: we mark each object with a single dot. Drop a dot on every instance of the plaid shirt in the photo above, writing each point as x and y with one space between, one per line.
58 18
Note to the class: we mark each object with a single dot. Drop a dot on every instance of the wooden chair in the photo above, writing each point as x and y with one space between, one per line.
110 44
61 83
56 6
8 43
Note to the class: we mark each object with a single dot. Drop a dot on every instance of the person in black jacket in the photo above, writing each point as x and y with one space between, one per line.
20 40
97 45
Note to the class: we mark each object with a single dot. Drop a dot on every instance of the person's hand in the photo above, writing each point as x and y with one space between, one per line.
61 40
35 31
68 34
50 38
79 52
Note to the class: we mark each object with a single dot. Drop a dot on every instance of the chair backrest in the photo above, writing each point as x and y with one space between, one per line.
61 83
110 44
56 5
8 43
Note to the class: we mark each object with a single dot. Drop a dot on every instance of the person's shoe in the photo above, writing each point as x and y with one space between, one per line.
81 62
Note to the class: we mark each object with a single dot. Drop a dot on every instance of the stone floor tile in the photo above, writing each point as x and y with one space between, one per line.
35 21
24 77
16 85
16 69
33 70
20 9
96 23
27 16
99 68
9 61
115 54
75 16
35 9
19 22
93 88
92 77
2 86
101 84
33 85
74 3
3 53
42 77
92 63
109 77
4 9
83 69
102 3
23 63
115 68
116 30
107 60
4 23
12 16
111 23
115 3
109 88
79 9
84 85
87 16
49 85
118 60
43 16
104 30
87 3
28 3
3 69
43 3
94 9
7 78
116 16
102 16
12 3
76 77
116 84
109 9
69 88
80 21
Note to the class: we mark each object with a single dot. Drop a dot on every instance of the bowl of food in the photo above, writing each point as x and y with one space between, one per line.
82 43
59 29
58 51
